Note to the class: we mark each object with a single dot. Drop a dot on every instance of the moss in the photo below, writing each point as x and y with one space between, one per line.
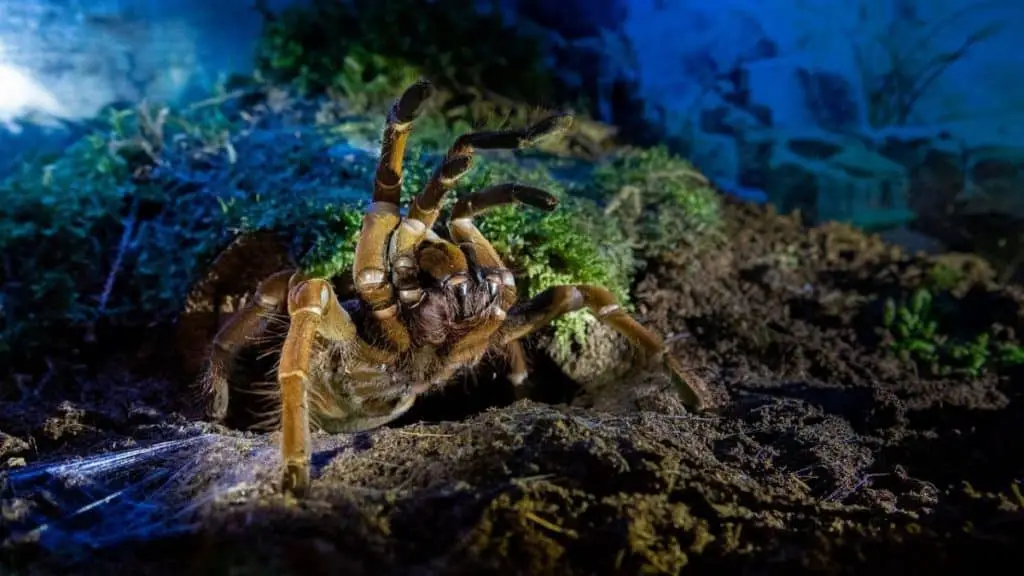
659 199
83 234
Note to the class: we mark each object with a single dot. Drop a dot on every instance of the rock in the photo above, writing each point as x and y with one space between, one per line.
935 164
573 19
775 85
12 447
912 241
729 119
800 96
937 179
997 172
827 178
717 156
831 100
755 150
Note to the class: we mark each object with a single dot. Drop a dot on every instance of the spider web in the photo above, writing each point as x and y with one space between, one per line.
139 493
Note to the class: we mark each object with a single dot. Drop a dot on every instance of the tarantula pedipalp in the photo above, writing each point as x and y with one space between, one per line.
427 306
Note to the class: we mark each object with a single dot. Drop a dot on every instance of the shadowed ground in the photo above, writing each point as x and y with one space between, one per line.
825 455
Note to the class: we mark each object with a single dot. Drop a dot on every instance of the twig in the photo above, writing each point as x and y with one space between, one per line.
424 434
122 249
215 100
549 525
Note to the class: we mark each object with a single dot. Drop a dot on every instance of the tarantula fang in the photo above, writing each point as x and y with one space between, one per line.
427 306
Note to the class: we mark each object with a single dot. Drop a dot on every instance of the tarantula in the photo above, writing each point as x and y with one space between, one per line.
427 306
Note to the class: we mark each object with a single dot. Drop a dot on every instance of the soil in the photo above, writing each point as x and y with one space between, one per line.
824 453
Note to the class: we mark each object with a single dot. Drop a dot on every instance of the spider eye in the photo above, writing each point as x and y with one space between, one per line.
492 289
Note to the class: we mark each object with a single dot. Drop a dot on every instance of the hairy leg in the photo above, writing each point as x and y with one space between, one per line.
245 325
370 269
314 311
518 371
556 301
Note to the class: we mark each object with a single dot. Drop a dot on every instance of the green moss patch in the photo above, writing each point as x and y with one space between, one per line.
660 200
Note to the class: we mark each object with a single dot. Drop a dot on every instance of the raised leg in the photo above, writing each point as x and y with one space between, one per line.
425 207
242 327
542 309
314 310
370 268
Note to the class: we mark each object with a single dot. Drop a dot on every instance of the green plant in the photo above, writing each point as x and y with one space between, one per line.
913 333
659 199
943 277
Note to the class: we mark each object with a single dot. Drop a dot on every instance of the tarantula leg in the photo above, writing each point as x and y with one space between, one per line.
313 310
387 185
465 232
518 371
380 220
425 207
559 300
247 323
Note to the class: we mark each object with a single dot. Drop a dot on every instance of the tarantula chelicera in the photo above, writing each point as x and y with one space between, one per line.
427 306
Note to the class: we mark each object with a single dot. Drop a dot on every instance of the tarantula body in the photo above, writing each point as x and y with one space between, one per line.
430 303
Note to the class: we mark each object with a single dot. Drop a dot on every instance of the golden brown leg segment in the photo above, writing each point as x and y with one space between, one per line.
314 310
242 327
558 300
518 371
425 207
382 216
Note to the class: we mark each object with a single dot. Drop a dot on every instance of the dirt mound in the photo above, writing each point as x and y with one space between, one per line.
826 453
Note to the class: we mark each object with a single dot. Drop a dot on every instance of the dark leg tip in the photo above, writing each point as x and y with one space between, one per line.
551 126
536 198
454 168
410 104
296 479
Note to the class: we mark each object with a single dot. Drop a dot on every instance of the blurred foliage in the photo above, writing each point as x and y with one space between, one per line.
899 67
366 51
942 277
660 200
913 332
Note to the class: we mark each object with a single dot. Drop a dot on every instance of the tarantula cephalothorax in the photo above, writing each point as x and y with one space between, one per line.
427 306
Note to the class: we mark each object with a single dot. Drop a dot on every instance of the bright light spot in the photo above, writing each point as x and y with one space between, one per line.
21 95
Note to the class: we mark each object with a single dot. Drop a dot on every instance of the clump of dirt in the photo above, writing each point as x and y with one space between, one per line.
825 453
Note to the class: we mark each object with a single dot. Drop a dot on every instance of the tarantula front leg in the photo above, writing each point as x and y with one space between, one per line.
559 300
242 327
380 220
314 311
